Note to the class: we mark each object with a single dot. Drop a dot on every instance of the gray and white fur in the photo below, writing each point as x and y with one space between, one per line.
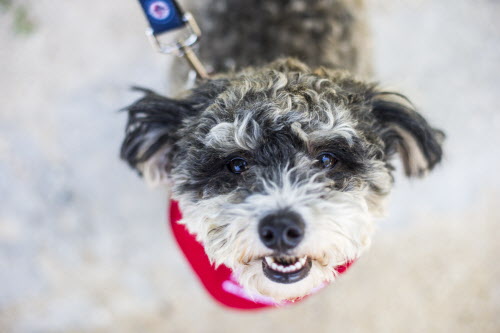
282 161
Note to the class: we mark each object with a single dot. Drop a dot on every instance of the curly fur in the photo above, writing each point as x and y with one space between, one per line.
280 117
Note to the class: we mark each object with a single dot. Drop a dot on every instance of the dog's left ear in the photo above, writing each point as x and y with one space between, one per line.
406 132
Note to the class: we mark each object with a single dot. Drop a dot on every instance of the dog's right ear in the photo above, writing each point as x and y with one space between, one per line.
150 134
152 128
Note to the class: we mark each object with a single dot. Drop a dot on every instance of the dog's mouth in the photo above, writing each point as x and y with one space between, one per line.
286 269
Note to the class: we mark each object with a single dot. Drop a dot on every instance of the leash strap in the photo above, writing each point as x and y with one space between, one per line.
166 15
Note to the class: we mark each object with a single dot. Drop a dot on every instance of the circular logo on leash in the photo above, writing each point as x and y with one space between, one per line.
158 10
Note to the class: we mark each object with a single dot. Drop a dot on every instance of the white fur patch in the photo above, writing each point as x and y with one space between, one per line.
338 124
154 169
243 133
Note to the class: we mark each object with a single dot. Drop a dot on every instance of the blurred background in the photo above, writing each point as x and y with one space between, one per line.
83 242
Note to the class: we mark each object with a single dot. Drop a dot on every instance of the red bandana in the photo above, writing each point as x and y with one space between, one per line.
219 282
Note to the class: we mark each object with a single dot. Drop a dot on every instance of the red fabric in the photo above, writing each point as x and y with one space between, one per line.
219 282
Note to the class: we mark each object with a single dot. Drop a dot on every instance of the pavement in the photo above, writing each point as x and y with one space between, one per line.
83 242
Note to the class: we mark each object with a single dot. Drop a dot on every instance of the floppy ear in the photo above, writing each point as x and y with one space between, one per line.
151 132
152 128
406 132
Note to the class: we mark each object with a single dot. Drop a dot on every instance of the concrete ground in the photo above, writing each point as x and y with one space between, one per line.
83 243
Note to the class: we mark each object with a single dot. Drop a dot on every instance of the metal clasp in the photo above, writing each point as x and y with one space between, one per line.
182 47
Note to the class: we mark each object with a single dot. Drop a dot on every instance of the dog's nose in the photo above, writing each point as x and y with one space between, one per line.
282 231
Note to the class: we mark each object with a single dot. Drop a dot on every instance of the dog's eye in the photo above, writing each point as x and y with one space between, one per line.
327 160
237 165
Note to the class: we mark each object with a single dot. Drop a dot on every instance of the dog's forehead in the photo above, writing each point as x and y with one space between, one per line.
250 113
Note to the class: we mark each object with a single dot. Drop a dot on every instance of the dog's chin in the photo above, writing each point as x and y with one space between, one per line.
284 278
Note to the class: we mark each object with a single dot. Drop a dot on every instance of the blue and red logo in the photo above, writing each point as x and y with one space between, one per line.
162 15
159 10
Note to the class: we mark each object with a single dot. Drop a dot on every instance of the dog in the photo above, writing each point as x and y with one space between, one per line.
281 162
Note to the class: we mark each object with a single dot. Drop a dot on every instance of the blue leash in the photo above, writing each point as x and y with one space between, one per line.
166 15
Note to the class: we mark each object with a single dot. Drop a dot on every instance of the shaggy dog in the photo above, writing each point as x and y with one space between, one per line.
282 161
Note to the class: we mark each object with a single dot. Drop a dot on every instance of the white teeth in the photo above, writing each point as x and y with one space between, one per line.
298 264
269 260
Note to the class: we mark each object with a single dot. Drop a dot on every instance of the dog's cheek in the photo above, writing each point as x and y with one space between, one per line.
226 228
338 229
377 187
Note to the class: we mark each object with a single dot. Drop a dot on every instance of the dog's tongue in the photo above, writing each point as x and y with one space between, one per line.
219 282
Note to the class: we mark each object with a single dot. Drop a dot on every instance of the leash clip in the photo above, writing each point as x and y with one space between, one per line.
166 15
193 36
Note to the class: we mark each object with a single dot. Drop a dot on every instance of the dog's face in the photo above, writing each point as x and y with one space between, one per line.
280 172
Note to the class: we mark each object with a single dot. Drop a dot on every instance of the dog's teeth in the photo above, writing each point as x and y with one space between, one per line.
286 264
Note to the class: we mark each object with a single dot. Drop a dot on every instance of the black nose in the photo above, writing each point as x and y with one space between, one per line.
281 231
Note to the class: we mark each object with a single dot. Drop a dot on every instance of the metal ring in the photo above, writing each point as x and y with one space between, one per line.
177 46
